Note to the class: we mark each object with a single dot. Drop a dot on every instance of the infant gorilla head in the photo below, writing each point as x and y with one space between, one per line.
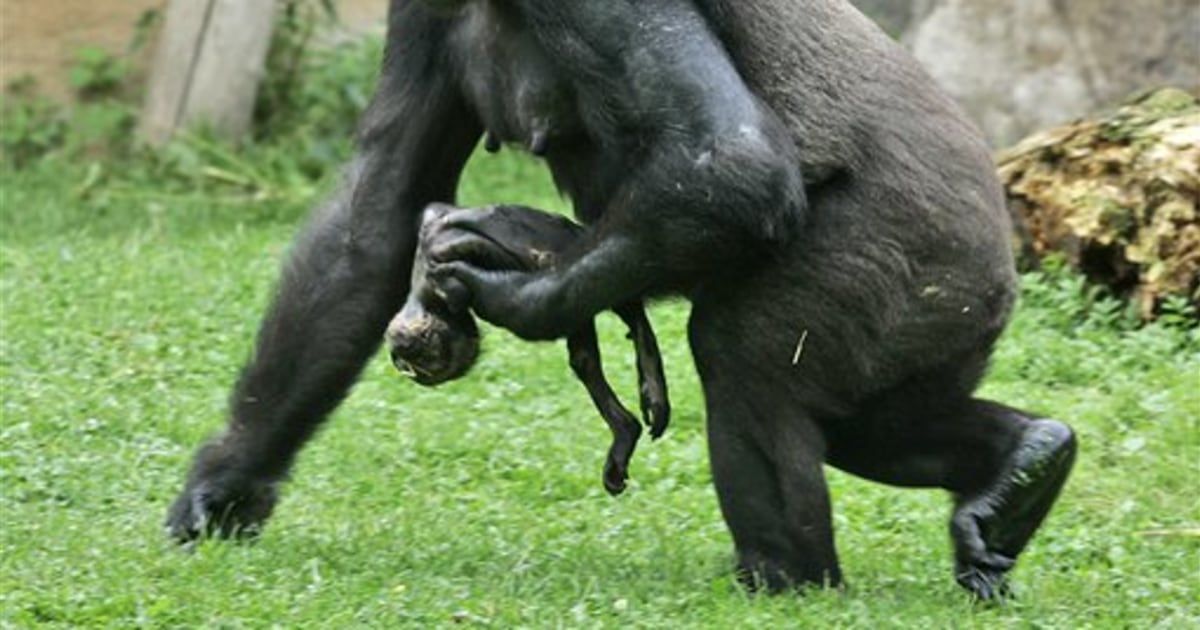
431 339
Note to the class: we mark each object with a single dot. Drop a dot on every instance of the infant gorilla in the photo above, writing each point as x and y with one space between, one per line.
434 340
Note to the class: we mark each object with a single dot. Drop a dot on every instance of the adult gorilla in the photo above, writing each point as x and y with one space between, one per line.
832 217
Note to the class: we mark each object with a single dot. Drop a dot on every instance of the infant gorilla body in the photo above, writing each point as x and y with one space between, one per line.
434 338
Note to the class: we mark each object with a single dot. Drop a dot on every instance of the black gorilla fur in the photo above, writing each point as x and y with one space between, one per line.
833 218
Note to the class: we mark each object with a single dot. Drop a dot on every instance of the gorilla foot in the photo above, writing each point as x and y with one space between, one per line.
986 584
652 381
991 528
758 573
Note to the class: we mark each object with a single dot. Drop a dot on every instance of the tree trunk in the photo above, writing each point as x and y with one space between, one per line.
208 67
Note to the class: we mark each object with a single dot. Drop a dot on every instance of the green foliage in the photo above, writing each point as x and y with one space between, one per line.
99 125
1178 312
296 150
314 90
145 25
304 124
315 87
30 125
33 127
317 115
96 72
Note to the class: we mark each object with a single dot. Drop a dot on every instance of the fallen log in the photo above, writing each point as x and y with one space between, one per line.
1117 196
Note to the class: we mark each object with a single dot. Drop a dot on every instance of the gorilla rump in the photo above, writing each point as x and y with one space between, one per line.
831 216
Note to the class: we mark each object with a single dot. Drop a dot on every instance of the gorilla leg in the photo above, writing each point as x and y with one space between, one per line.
767 461
773 495
1004 467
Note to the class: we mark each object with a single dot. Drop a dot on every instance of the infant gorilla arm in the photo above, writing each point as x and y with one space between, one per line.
434 338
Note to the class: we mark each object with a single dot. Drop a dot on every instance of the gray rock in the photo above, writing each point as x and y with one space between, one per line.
895 16
1022 65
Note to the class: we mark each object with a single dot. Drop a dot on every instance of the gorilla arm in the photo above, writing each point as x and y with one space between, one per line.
346 275
706 177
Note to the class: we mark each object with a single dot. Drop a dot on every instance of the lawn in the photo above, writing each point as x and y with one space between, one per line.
130 300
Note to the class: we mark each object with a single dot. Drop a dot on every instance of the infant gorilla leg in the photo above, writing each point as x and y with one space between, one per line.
434 337
584 353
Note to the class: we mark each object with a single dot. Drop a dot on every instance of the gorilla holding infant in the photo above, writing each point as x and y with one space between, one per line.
833 219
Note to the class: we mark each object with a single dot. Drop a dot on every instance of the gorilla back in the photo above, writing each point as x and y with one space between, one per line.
907 236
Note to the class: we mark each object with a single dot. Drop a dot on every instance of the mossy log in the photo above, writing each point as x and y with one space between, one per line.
1117 195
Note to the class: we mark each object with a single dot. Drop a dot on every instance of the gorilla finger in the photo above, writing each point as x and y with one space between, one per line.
480 251
186 519
459 283
450 290
469 219
513 225
453 270
435 212
968 539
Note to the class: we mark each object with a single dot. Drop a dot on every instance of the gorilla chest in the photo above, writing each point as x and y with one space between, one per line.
519 96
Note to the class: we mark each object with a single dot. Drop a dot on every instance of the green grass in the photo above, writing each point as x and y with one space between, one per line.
130 300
